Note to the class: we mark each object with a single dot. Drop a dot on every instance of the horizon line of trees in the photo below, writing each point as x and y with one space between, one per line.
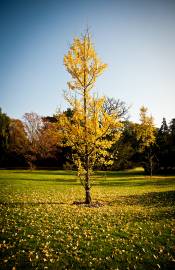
35 143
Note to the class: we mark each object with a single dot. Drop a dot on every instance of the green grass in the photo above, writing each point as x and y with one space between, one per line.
41 228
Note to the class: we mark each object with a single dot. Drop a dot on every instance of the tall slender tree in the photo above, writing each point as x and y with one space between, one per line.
146 137
91 130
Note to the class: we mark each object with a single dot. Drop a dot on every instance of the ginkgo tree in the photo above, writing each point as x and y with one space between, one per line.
90 131
146 136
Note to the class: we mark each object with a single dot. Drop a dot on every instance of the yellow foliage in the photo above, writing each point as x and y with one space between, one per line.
83 64
102 131
145 131
90 131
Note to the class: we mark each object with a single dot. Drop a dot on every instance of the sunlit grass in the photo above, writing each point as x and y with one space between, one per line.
42 229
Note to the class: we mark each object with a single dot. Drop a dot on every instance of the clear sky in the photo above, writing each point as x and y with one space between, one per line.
136 38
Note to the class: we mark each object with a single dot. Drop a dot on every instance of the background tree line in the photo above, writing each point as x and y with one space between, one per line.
34 142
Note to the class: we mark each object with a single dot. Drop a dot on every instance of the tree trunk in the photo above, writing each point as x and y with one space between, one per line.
151 167
87 182
88 197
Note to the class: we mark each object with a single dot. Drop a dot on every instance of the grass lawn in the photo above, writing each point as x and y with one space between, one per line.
41 228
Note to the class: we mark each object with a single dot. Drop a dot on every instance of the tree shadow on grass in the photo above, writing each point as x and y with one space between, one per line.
120 174
162 204
151 199
132 182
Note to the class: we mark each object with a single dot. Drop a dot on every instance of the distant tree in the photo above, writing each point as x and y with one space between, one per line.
172 145
4 137
162 142
172 130
57 154
48 138
18 136
33 125
116 106
166 147
164 127
43 137
146 137
18 143
125 149
90 129
145 131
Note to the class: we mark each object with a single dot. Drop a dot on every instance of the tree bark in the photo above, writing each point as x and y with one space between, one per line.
151 167
87 179
88 196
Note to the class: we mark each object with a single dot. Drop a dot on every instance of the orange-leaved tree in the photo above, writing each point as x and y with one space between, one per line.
90 131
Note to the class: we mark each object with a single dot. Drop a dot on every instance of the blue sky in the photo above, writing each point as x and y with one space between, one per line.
136 38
